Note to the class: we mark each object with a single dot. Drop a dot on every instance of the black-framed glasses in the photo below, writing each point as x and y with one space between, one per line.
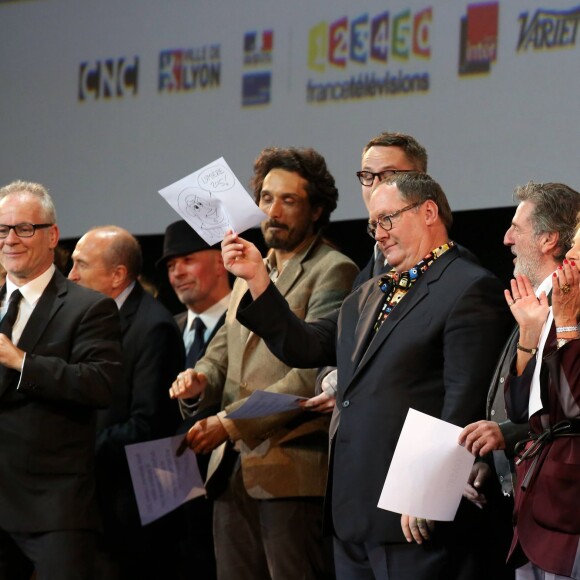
368 177
23 230
386 221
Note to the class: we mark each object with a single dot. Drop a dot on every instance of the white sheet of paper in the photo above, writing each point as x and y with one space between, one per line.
429 470
212 200
161 480
262 403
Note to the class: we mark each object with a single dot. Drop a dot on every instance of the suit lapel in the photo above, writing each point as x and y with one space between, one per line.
181 321
48 305
371 310
130 307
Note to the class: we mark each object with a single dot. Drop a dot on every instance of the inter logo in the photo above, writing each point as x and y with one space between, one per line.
478 38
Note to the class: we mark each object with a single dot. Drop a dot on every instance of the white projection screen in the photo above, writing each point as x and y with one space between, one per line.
107 102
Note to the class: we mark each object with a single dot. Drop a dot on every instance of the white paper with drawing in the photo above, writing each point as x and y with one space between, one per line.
212 200
429 469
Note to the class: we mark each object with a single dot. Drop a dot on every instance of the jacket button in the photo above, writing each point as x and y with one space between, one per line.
345 403
492 412
502 380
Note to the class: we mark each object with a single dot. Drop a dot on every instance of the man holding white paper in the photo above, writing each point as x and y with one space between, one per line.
268 510
424 336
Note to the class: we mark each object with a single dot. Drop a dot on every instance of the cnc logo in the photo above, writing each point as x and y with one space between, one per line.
368 39
548 29
257 84
190 69
478 38
108 79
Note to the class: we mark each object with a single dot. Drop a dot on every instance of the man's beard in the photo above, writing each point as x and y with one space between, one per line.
528 266
281 241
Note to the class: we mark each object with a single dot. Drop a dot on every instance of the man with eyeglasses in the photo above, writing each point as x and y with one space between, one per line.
384 155
59 357
423 336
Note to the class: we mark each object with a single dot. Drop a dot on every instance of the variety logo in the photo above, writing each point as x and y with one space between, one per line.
478 38
371 42
190 69
106 79
548 29
257 84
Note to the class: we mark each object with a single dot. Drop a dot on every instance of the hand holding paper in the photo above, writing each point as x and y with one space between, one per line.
429 470
212 201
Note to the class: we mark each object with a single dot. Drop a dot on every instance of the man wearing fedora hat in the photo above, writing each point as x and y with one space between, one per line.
200 281
197 275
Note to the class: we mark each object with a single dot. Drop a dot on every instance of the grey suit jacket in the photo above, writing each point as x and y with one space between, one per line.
283 455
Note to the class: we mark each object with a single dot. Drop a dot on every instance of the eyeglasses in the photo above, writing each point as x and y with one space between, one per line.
386 221
368 177
24 230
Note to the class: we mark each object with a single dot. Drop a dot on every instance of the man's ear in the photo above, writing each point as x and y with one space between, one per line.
54 235
120 274
549 242
431 211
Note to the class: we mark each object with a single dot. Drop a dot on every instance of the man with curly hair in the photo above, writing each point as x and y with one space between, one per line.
268 508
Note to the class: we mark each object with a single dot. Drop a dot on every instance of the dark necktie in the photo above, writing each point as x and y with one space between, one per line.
198 343
11 314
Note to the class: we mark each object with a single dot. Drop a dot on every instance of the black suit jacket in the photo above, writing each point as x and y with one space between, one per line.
47 426
434 353
141 409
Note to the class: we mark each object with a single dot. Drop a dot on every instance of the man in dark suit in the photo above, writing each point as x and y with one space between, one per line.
200 281
108 259
60 355
384 155
425 337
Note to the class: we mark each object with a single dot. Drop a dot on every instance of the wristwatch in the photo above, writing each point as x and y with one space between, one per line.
531 351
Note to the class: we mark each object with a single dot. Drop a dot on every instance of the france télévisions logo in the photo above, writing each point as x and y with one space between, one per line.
190 69
478 38
548 29
350 56
367 39
112 78
257 82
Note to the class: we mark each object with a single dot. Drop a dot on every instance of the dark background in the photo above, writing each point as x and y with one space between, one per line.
481 231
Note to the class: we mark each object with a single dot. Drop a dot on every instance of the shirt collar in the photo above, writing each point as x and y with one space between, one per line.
120 300
545 286
210 316
31 291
